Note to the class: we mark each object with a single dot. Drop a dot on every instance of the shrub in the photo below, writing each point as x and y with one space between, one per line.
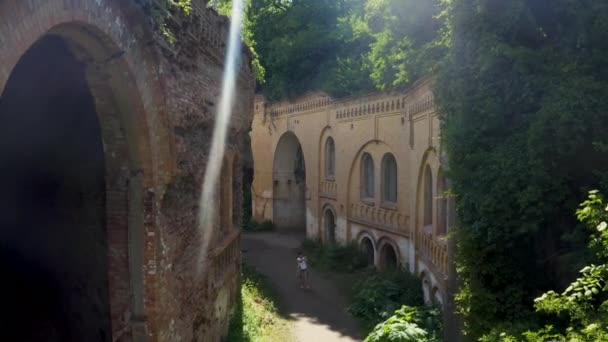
409 324
378 294
333 257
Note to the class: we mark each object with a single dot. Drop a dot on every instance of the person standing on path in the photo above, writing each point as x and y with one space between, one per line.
302 271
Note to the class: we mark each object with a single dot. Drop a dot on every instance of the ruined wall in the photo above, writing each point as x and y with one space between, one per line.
155 102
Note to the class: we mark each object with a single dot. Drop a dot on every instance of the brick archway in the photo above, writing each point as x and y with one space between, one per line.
126 103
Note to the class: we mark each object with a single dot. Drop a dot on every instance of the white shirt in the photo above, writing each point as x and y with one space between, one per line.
302 263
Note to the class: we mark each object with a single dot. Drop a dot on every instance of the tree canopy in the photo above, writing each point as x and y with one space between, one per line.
524 96
344 47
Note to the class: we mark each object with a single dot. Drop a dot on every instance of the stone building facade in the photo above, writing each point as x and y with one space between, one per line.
363 169
106 125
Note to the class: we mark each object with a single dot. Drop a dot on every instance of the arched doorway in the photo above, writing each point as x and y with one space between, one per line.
367 248
289 185
388 257
330 226
71 226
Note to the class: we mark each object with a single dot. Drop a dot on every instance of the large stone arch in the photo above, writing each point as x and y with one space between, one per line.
428 166
126 98
289 184
376 149
355 167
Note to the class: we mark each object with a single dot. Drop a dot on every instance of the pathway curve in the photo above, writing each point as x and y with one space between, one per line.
318 314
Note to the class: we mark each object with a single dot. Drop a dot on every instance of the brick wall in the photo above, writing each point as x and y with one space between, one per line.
162 100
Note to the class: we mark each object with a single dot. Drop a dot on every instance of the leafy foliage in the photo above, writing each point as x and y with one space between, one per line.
407 40
161 11
409 324
524 93
344 47
580 313
224 7
378 294
335 257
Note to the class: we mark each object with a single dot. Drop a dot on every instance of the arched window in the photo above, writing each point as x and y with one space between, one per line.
428 197
442 205
330 158
389 178
367 176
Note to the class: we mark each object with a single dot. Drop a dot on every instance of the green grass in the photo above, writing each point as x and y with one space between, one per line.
257 318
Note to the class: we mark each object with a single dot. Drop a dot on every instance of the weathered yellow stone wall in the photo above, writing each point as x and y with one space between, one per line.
404 124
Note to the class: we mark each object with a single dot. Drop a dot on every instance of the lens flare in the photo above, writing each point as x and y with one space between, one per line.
206 216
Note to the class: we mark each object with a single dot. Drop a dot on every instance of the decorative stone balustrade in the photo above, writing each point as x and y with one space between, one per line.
225 259
379 217
434 252
355 108
426 103
329 189
385 105
303 106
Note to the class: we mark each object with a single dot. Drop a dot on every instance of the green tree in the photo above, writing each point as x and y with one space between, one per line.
579 313
408 39
343 47
524 92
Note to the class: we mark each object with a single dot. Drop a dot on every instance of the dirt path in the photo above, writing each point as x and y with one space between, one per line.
319 314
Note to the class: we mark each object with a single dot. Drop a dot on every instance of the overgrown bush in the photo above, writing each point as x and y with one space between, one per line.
409 324
580 313
378 294
331 257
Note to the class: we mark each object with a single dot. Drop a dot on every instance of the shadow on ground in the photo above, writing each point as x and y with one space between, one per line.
318 314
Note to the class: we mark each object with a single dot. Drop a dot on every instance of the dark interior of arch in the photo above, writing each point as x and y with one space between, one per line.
368 249
53 245
389 257
330 226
